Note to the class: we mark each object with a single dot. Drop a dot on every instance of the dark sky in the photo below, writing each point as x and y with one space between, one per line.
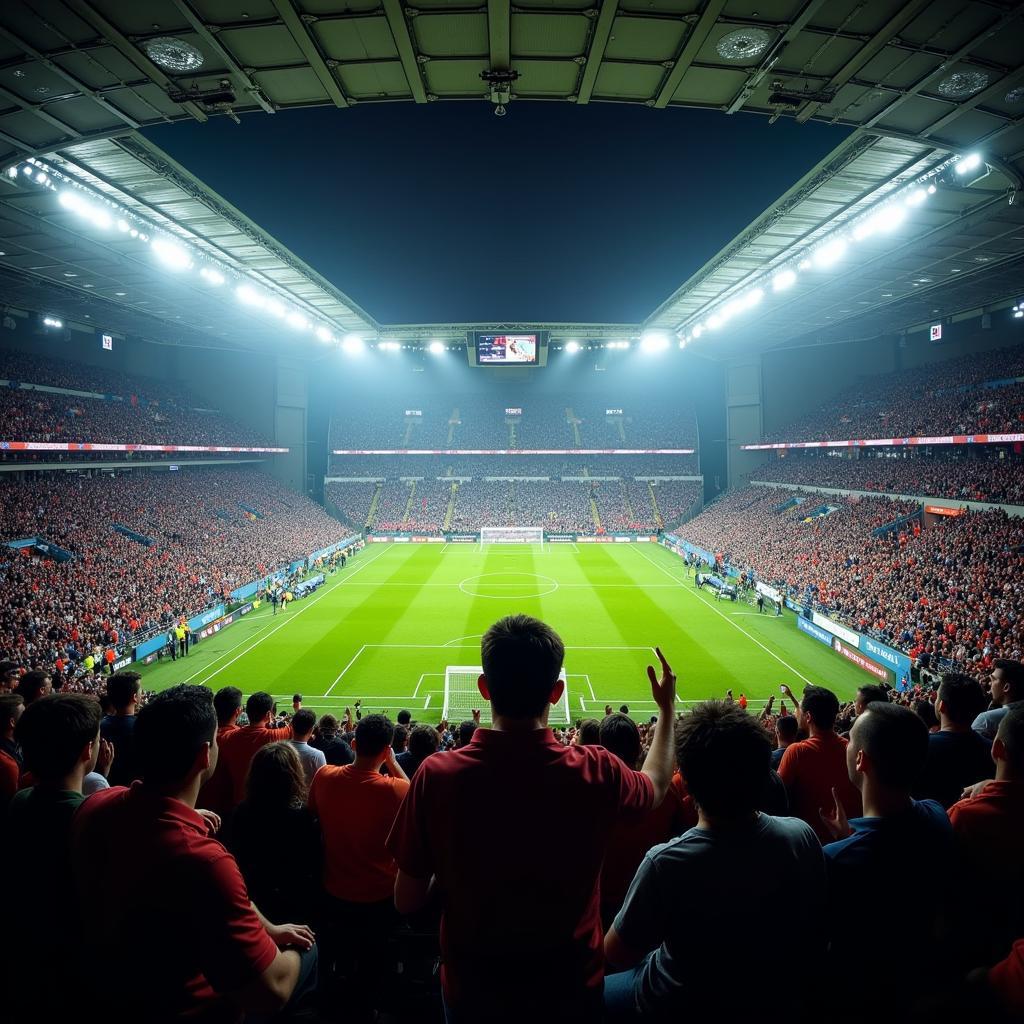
554 212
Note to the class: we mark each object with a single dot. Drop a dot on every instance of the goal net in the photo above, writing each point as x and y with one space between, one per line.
511 535
461 695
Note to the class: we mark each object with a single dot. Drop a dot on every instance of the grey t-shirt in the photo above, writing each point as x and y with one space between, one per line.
312 759
709 905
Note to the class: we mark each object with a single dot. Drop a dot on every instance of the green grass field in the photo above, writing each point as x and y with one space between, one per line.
384 629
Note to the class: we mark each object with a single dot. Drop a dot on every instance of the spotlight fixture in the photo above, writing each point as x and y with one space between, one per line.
436 348
172 54
969 163
780 282
323 334
53 323
211 276
352 344
171 254
962 84
653 341
572 347
830 253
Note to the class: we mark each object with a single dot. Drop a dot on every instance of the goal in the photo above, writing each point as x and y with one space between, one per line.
511 535
461 695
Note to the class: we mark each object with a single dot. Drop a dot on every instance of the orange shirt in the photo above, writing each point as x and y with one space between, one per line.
216 792
237 752
810 769
9 776
357 809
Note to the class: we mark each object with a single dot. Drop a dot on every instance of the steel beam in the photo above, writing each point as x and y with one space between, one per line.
305 42
406 51
499 34
694 41
598 44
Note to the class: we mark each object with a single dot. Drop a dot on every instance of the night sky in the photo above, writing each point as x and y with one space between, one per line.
554 212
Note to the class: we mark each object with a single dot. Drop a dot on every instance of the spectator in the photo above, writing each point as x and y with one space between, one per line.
327 738
8 676
423 741
356 806
868 694
12 705
589 733
303 724
676 936
886 754
957 756
34 685
275 839
216 792
404 718
631 838
124 690
989 830
539 923
197 945
240 746
465 732
787 728
59 735
925 710
400 744
1007 688
815 768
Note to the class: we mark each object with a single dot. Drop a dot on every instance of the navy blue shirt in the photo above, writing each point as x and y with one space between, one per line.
120 730
956 760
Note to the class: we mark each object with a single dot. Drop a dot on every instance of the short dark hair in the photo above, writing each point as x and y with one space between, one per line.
404 717
787 727
624 709
896 741
30 685
822 705
589 732
465 733
400 740
925 710
871 692
54 730
423 741
725 757
1011 732
171 730
521 658
962 697
9 704
123 688
226 701
1014 673
303 722
373 735
327 727
7 667
619 734
258 706
296 697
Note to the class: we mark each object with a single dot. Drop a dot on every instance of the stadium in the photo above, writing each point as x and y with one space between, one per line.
557 555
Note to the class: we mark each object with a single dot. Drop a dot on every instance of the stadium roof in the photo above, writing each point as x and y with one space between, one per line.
918 80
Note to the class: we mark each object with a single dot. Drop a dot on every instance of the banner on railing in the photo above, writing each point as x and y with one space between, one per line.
889 442
860 661
808 627
835 629
90 446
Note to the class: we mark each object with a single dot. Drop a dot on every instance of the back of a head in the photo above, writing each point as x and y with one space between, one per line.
9 704
895 741
258 706
327 727
400 739
303 722
226 701
465 733
373 735
423 741
521 658
724 755
962 698
925 710
787 728
276 779
821 706
404 717
870 693
32 685
590 733
170 732
619 734
123 688
53 732
1013 676
1011 735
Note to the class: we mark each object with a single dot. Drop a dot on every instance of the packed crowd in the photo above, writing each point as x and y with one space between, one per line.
395 466
210 532
974 478
482 421
948 595
936 400
320 869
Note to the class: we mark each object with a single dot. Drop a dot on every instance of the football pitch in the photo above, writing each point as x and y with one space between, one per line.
384 629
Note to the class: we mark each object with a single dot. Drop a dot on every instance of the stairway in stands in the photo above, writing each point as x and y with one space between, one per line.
658 517
371 514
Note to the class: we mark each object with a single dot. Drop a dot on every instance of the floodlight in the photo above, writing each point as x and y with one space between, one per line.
830 253
276 308
12 172
715 321
171 254
352 344
41 177
323 334
247 294
653 341
917 197
390 346
782 280
77 204
297 321
969 163
572 347
436 348
752 298
211 276
52 321
698 330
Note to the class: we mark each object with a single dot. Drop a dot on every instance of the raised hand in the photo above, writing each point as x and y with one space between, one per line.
105 758
663 689
836 822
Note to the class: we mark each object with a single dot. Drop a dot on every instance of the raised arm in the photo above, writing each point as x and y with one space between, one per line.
658 763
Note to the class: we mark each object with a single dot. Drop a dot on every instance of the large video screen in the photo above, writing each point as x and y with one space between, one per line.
506 349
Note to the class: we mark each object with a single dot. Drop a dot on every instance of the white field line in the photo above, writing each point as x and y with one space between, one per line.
426 703
418 684
711 607
289 617
569 647
337 680
590 687
526 583
582 705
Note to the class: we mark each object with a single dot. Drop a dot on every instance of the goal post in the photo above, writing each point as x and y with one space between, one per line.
511 535
462 695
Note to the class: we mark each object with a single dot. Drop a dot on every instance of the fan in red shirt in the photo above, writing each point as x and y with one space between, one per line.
521 930
11 707
815 768
198 948
216 792
240 745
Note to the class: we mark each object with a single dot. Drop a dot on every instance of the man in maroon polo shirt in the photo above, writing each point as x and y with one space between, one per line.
196 946
521 928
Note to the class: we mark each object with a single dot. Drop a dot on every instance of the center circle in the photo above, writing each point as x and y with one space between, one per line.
509 586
